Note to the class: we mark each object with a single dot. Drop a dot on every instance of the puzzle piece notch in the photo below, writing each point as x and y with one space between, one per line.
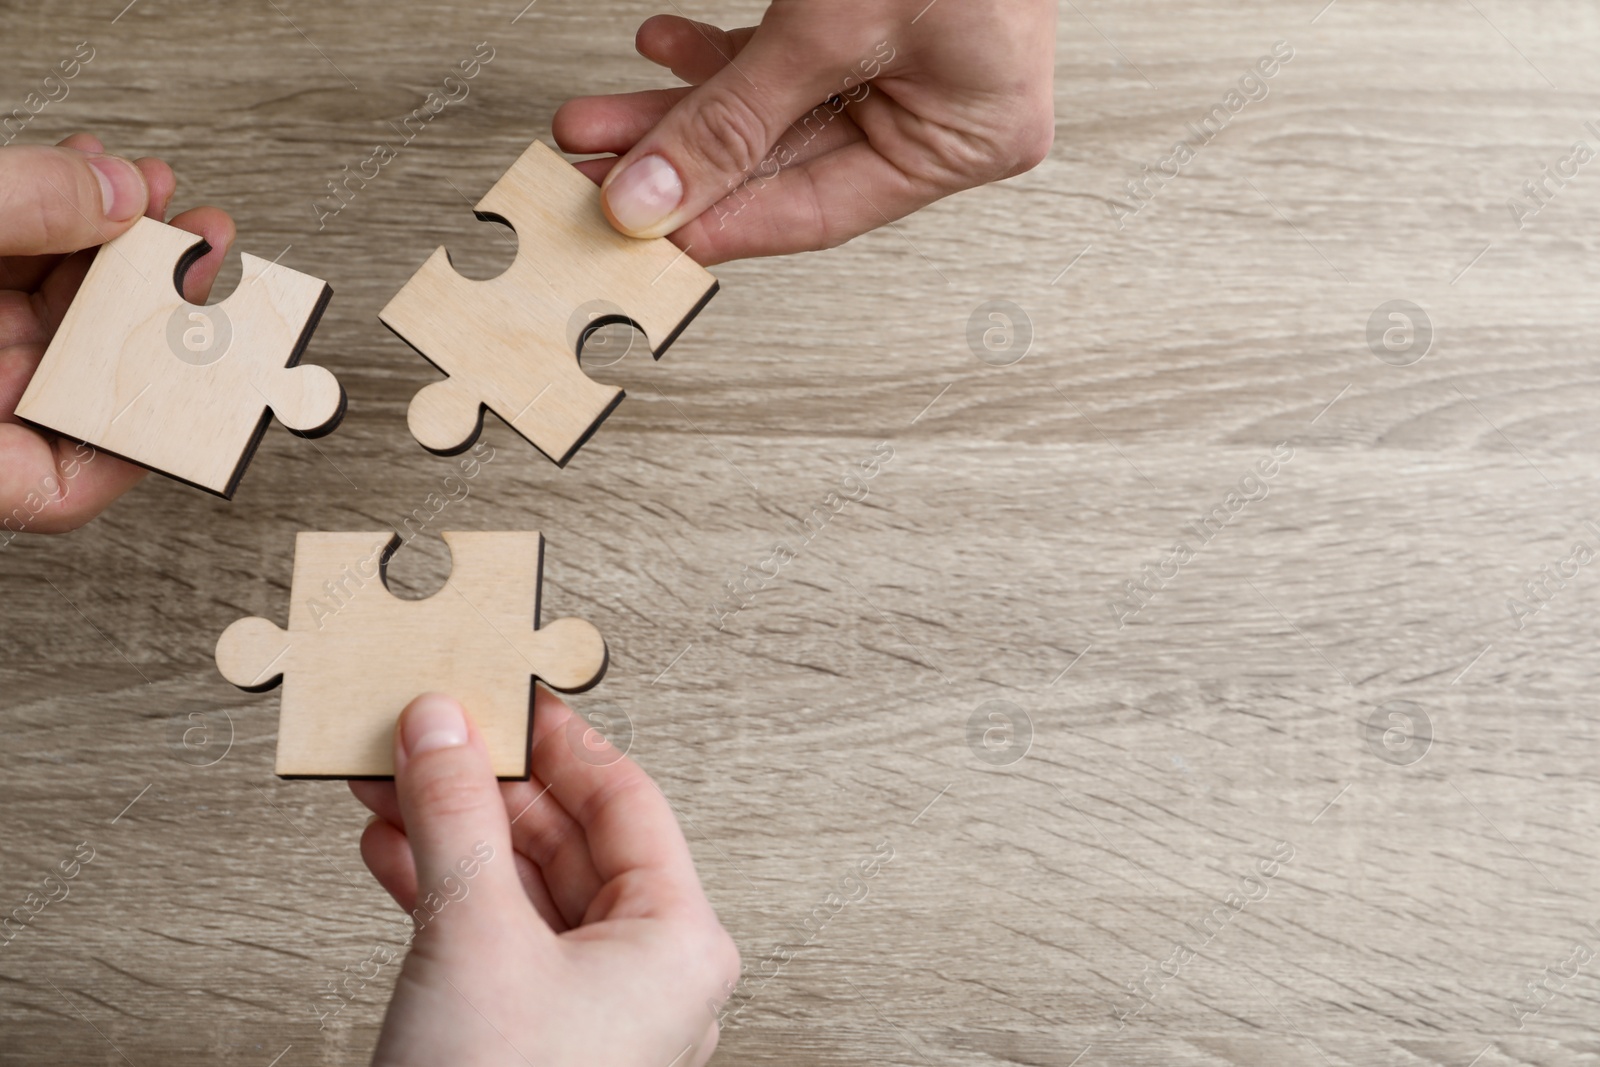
505 342
123 374
354 654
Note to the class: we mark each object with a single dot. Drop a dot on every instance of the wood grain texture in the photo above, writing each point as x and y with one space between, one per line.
137 371
833 710
353 656
511 343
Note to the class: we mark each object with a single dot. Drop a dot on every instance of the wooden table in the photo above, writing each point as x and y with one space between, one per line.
1332 672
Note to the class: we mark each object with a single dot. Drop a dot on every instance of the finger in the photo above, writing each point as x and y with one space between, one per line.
628 823
591 124
379 798
214 225
161 182
693 51
616 123
453 811
83 142
25 272
49 484
533 884
716 135
19 320
542 831
820 203
17 364
596 169
387 854
60 200
22 273
92 480
707 1045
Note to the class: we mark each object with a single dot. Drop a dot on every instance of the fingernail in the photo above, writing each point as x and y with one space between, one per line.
642 195
432 721
122 189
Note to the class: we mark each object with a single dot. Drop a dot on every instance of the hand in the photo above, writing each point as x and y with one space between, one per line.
922 100
54 203
581 935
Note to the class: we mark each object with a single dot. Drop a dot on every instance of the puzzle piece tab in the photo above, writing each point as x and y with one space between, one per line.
508 343
355 655
180 388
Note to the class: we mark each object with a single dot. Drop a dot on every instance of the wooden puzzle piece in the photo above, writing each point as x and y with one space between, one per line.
507 343
180 388
355 655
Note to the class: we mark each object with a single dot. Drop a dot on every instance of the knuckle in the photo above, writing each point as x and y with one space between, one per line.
1029 143
622 788
960 159
827 235
725 959
542 838
51 230
727 134
442 793
716 962
814 222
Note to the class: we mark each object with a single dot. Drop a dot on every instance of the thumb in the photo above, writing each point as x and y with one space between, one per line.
718 135
56 199
454 816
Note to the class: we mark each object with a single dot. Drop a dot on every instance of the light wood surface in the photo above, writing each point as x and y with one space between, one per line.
136 370
1168 759
512 343
353 655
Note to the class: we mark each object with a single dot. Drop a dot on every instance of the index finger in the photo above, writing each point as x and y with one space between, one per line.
628 822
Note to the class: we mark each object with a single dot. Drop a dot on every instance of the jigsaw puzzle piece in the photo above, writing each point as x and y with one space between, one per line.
650 283
539 391
354 655
506 343
183 389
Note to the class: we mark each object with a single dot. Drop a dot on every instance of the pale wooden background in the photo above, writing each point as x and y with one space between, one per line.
832 712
